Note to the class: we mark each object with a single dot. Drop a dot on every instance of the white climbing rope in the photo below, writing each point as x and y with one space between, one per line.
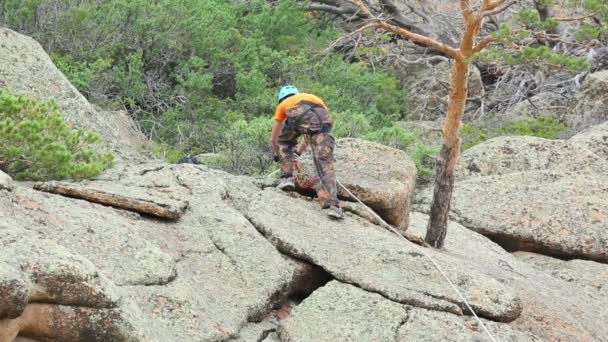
421 249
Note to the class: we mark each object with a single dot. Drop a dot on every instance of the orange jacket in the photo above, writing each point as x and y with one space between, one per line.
292 101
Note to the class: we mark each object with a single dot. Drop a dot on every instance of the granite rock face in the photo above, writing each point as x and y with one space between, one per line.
590 108
539 195
26 70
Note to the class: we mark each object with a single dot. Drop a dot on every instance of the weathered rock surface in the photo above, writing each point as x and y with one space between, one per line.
26 70
199 279
49 293
356 252
6 182
207 275
590 276
341 312
382 177
591 102
553 309
543 105
538 195
72 270
544 211
504 155
595 139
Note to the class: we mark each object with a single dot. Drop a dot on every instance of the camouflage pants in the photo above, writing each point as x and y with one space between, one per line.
314 122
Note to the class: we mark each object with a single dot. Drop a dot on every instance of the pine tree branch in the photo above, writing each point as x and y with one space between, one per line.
414 37
406 33
341 11
489 5
573 19
365 12
499 8
483 43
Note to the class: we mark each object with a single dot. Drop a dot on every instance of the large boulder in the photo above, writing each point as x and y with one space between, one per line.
554 307
356 252
383 178
589 276
6 182
591 102
505 155
341 312
49 293
537 195
26 70
201 278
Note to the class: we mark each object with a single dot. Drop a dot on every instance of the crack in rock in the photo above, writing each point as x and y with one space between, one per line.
402 322
285 249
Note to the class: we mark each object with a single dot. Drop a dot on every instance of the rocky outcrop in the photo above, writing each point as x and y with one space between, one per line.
6 182
591 102
537 195
225 263
201 278
589 276
383 178
349 251
84 269
506 155
340 312
553 309
48 293
26 70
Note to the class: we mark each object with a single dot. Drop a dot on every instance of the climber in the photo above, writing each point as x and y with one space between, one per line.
305 114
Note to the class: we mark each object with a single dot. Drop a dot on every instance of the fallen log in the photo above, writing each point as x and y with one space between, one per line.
148 207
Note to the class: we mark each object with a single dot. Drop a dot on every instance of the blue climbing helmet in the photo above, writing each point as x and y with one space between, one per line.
287 91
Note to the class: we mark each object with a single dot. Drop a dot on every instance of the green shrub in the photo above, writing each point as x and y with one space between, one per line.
245 148
548 128
393 136
425 157
349 125
80 74
36 143
167 153
181 67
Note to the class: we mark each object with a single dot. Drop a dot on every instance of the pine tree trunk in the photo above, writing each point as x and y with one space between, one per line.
448 158
450 151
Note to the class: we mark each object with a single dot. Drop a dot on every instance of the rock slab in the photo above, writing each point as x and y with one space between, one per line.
357 252
340 312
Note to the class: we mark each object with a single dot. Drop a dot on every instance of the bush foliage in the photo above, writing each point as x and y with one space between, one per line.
548 128
36 143
185 68
202 75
